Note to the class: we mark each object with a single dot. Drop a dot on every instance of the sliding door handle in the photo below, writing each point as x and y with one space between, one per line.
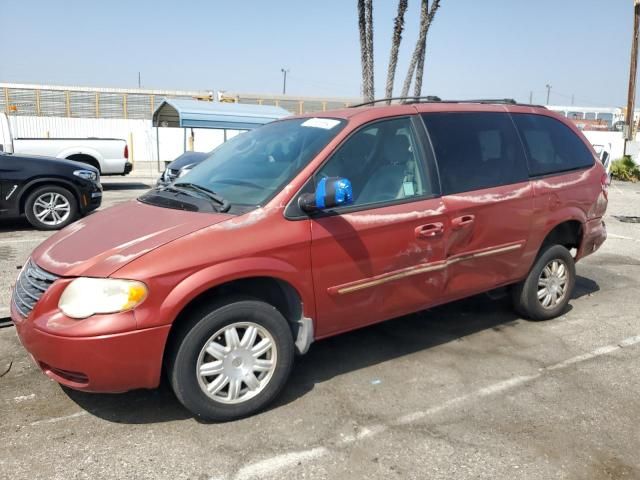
429 230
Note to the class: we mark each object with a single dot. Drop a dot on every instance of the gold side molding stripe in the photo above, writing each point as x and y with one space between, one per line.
418 269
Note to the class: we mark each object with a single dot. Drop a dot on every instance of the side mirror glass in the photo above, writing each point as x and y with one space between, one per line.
331 192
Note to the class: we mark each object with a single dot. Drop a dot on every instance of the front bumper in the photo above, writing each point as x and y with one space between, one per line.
90 197
111 363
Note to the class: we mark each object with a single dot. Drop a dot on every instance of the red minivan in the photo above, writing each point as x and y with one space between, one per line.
306 228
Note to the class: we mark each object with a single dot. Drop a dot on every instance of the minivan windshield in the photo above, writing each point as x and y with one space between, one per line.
252 167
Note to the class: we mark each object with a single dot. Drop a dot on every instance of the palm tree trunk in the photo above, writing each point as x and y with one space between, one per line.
417 60
417 89
362 25
395 46
369 86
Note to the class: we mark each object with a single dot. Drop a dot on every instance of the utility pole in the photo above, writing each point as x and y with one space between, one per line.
572 99
549 87
530 97
138 79
631 94
284 80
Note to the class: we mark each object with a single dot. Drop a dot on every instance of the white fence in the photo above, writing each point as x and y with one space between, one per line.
614 141
140 135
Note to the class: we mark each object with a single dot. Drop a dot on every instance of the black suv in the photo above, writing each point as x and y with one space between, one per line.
50 192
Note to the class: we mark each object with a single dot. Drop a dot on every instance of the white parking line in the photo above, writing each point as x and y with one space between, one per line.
621 237
59 419
23 240
277 463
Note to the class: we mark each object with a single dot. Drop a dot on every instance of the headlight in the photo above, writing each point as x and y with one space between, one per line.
86 174
84 297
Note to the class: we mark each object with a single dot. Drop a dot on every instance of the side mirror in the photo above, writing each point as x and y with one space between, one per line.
331 192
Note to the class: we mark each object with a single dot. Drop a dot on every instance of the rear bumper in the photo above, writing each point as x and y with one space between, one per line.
594 235
107 363
127 168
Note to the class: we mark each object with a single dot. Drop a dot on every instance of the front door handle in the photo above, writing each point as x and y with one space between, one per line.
429 230
463 221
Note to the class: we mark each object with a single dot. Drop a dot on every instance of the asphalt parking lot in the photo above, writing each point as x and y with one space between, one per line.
467 390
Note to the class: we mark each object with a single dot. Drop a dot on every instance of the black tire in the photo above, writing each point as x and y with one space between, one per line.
191 338
49 222
525 294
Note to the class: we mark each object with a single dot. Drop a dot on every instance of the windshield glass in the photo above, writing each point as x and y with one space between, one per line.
251 167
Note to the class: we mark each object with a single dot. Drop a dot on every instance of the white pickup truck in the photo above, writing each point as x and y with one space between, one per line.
109 155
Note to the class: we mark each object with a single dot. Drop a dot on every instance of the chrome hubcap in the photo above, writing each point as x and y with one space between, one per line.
552 284
51 208
237 363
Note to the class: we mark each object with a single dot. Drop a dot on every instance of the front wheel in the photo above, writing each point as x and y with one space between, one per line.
545 293
51 207
231 360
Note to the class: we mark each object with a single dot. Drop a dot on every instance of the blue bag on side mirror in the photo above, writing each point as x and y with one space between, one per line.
333 192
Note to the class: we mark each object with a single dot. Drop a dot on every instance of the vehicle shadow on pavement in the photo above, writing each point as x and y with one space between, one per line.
14 224
107 186
335 356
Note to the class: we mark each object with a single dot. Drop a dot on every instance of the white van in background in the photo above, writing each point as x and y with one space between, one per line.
109 155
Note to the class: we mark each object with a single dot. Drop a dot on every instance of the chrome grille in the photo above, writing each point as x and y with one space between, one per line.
30 286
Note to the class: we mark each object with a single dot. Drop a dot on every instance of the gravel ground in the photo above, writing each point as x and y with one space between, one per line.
467 390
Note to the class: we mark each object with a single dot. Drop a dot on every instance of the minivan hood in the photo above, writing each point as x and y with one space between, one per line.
100 244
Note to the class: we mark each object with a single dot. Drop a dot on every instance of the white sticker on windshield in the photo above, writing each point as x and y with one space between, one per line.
326 123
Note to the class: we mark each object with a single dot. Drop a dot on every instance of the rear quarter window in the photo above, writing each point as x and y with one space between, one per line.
551 146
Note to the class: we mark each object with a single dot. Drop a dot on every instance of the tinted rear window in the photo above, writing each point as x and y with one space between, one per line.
551 146
475 150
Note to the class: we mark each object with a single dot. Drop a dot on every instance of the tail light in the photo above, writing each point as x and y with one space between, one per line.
126 152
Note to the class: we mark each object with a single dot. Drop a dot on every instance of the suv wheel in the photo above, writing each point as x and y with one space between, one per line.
51 207
545 292
231 360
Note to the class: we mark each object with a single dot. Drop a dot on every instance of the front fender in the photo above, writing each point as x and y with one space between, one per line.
46 181
213 276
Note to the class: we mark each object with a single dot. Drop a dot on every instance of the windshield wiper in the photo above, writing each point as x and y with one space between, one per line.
210 194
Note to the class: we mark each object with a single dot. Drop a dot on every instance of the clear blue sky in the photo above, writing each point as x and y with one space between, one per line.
476 48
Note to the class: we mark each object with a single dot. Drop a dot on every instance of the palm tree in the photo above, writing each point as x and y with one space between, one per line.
417 60
362 25
369 15
417 89
365 23
395 46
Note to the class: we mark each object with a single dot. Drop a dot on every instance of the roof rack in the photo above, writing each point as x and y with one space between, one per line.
505 101
428 98
435 99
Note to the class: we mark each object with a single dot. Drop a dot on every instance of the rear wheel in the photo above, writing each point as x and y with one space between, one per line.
231 360
545 293
51 207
